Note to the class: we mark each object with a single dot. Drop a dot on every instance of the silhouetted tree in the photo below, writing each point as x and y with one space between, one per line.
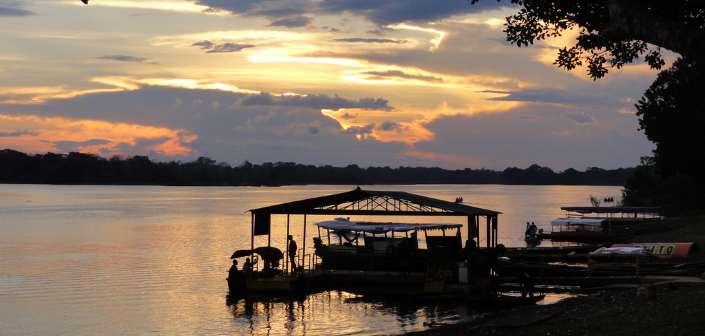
672 115
612 32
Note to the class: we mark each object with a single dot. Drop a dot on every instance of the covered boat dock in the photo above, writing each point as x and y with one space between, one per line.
481 227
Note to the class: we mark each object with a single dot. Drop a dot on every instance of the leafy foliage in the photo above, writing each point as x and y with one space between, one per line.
671 114
612 33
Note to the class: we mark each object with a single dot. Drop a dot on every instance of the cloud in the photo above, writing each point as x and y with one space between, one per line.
360 130
73 146
379 12
394 75
13 9
558 96
391 126
204 45
301 21
321 101
123 58
370 40
283 130
221 48
580 117
551 138
17 133
348 116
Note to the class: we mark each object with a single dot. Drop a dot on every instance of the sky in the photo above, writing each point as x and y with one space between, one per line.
322 82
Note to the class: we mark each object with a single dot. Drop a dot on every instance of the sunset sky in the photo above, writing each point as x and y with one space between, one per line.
332 82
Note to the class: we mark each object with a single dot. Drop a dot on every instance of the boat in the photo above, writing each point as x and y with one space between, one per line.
269 279
583 229
386 246
503 301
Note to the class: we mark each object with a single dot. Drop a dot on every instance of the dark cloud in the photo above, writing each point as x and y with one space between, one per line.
495 91
123 58
379 12
221 48
370 40
557 96
314 130
17 133
267 133
13 8
301 21
229 47
391 126
348 116
580 117
204 45
386 75
334 30
321 101
367 129
506 139
72 146
389 12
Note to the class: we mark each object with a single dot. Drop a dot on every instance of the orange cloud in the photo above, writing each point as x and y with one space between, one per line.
42 134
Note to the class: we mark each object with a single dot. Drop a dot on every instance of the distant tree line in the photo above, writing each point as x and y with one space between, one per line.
80 168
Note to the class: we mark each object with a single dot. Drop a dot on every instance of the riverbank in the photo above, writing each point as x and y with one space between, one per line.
675 309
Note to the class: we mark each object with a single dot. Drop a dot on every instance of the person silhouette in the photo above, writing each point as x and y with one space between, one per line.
292 252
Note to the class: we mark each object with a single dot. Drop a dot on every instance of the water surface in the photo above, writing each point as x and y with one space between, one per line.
85 260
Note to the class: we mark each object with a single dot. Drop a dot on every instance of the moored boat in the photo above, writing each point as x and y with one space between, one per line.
583 229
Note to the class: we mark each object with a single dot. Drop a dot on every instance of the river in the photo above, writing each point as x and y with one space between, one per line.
116 260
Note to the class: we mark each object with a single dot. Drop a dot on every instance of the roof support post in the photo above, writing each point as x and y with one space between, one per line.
495 227
303 252
286 260
489 232
252 234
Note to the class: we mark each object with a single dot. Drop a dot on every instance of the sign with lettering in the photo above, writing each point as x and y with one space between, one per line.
662 250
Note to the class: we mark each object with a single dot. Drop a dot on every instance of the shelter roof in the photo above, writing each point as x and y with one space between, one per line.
341 224
375 202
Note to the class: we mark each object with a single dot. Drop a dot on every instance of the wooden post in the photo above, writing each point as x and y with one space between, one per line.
489 233
304 248
286 260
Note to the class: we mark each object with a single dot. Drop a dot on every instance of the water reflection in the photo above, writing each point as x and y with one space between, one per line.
338 312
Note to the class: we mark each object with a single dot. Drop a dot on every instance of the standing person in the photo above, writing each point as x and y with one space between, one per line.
533 230
527 233
525 283
292 252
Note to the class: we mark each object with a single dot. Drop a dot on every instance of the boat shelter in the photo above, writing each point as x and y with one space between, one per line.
379 203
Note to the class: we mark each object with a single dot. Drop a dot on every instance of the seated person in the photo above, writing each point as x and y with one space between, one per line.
233 272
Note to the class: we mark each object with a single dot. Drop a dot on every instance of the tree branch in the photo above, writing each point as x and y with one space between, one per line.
628 20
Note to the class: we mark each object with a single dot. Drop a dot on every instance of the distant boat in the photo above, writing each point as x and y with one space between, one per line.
583 229
458 200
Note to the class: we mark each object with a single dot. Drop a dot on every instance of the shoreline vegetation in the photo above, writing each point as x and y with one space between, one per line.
81 168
